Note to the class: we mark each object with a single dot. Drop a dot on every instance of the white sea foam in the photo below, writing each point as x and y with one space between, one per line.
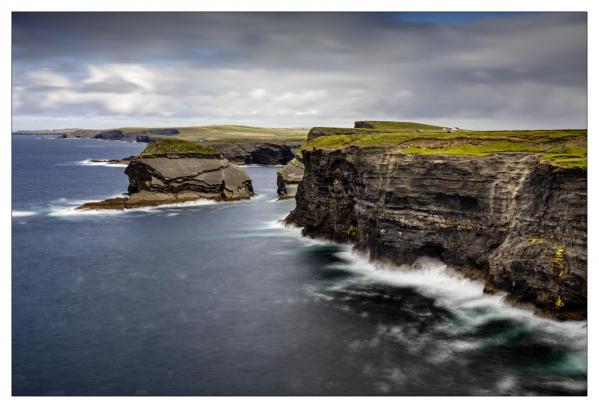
88 162
462 296
57 211
18 214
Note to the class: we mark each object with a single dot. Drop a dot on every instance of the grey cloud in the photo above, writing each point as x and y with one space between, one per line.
524 70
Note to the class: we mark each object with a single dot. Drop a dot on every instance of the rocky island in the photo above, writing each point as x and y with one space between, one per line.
172 171
506 207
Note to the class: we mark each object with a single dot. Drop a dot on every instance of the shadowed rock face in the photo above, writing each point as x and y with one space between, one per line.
248 152
288 178
110 135
514 222
173 178
256 153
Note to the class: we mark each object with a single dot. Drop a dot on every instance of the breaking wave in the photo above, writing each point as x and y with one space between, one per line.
89 162
18 213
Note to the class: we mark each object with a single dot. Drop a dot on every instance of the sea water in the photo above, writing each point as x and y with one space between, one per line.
210 298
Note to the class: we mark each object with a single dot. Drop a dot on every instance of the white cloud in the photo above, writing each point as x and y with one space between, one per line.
133 73
47 77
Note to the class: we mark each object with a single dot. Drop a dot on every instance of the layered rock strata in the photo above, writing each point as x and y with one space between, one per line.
513 221
178 177
288 178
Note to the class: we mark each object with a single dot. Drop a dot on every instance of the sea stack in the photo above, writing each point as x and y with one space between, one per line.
288 178
173 171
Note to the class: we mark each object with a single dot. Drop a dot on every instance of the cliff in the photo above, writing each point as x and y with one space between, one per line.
515 220
256 153
171 172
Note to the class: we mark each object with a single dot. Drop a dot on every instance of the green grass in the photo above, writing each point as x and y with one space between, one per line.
563 148
390 125
230 133
224 133
174 146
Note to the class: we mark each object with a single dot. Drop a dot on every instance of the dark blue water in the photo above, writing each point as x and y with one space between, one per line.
220 299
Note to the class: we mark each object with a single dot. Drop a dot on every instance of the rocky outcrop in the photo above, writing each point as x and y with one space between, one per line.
177 177
288 178
327 131
256 153
271 153
136 136
124 160
110 135
511 220
363 124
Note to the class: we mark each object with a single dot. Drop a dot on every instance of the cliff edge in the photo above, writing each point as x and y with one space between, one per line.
508 208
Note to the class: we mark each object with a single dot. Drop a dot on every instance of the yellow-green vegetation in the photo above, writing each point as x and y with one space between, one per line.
391 125
352 231
558 260
536 241
174 146
230 133
558 302
563 148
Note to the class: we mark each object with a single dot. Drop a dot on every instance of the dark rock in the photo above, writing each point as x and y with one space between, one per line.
173 178
271 153
162 132
139 136
288 178
363 124
256 153
511 220
125 160
145 139
110 135
327 131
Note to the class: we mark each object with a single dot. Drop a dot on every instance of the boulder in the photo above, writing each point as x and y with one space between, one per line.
289 177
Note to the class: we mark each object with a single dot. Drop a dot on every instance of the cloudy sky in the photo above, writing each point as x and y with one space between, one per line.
477 70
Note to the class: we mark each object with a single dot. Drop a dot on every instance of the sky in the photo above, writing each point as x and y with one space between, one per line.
471 70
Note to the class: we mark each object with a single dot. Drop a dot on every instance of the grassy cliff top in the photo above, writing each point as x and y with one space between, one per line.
390 125
563 148
196 133
174 146
234 132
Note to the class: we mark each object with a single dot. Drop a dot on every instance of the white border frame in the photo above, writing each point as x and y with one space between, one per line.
7 6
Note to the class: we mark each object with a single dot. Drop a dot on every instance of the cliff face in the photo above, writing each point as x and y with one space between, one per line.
514 222
171 178
256 153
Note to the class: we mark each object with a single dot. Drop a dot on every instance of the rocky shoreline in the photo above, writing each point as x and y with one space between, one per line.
510 220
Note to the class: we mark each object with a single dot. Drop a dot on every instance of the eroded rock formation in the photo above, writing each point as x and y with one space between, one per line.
288 178
256 153
177 177
516 223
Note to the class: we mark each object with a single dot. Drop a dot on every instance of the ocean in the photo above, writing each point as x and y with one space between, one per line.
210 298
